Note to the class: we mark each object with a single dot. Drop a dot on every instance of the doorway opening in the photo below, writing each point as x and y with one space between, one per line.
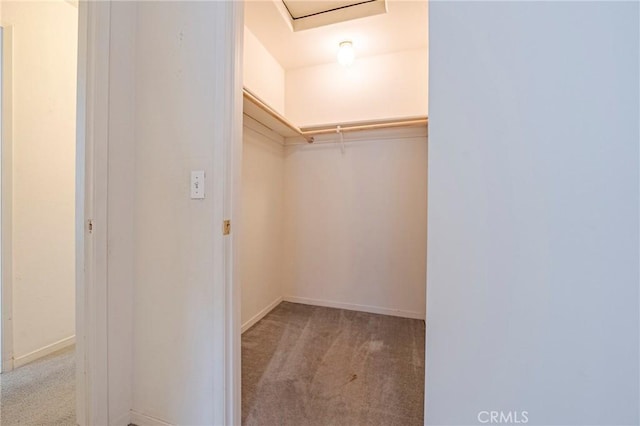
332 240
39 197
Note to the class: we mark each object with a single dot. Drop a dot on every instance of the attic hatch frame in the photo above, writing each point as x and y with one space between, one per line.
334 15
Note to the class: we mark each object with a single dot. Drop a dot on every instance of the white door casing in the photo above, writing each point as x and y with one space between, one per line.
6 197
91 207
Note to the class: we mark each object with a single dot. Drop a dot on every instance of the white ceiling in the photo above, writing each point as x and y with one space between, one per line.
404 27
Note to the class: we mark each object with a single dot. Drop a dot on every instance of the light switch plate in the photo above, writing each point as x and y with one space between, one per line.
197 184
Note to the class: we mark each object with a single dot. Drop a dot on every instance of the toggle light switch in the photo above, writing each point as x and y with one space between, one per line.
197 184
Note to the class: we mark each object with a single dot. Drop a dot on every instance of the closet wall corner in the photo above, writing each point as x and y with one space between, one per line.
335 167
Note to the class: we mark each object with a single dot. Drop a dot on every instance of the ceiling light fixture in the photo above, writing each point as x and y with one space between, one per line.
346 54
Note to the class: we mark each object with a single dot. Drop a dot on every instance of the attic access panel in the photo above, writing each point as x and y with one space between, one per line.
306 14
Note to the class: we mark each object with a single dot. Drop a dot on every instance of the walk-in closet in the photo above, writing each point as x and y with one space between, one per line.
334 212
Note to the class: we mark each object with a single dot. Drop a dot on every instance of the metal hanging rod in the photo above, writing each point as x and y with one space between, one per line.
413 122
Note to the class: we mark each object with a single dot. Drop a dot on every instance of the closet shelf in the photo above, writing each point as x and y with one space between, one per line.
257 109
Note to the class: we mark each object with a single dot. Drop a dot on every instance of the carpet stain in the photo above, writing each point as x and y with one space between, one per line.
376 346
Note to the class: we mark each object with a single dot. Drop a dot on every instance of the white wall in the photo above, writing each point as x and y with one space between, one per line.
375 87
356 223
261 247
120 215
44 101
533 212
178 349
263 75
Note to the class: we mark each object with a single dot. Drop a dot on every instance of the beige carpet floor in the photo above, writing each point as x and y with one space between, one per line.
40 393
307 365
301 365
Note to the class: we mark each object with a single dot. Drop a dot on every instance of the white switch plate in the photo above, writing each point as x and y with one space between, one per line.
197 184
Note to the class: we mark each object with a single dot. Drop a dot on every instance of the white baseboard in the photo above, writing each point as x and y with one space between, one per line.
7 366
257 317
42 352
140 419
355 307
123 419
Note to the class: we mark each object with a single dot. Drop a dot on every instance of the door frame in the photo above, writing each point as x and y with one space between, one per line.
92 120
232 203
6 195
232 189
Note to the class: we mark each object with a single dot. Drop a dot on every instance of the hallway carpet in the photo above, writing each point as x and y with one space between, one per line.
309 365
40 393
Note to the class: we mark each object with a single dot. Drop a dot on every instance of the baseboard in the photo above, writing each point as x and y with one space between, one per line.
42 352
257 317
123 419
355 307
7 366
139 419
